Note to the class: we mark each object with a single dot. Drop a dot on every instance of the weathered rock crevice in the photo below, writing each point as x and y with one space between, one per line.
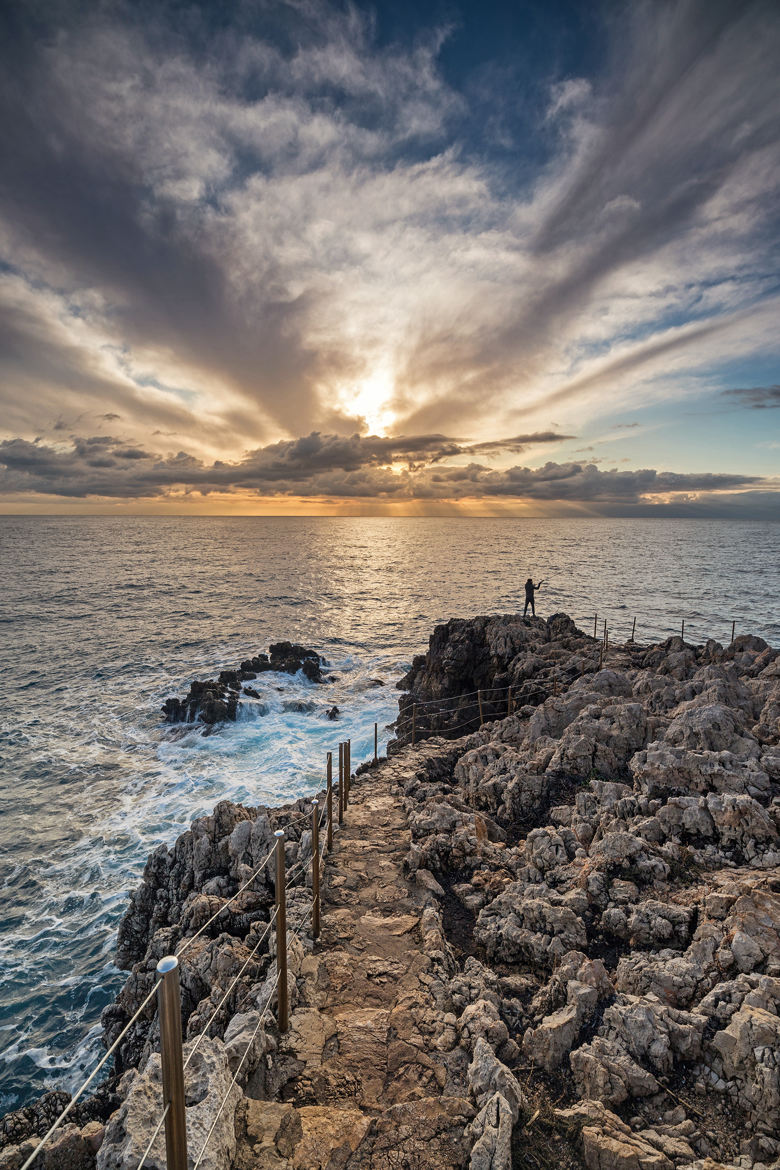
630 875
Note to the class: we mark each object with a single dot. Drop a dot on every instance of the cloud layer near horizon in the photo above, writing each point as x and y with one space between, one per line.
229 239
336 467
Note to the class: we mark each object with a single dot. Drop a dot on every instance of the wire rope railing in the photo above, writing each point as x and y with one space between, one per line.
166 986
295 821
518 694
173 1112
187 943
153 1138
176 1155
68 1108
234 1079
204 1033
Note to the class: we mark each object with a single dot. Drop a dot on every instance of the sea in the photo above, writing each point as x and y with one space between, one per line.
102 618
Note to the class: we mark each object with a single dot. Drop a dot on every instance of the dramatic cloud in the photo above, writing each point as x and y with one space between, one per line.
331 466
232 233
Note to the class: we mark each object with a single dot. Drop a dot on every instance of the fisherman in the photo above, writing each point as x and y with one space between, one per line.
530 590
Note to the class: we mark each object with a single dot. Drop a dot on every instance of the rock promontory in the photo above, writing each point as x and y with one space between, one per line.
551 931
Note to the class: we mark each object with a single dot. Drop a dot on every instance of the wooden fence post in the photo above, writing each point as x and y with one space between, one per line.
330 801
341 783
169 1006
347 769
315 868
282 998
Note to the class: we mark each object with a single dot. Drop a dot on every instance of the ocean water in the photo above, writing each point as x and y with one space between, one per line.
102 618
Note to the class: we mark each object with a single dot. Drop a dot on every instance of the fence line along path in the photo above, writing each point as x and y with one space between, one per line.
359 1081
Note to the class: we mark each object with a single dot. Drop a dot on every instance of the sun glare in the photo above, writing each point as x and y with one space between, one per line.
370 398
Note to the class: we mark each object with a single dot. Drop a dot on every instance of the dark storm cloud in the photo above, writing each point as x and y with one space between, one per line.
580 481
756 397
331 466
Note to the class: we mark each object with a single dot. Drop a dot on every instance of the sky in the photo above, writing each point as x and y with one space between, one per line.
295 257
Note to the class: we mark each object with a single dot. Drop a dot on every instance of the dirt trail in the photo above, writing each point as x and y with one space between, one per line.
359 1082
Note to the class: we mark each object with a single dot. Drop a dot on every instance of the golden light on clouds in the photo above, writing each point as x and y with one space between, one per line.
340 293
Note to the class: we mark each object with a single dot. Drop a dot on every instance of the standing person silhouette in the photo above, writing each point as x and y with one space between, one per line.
530 590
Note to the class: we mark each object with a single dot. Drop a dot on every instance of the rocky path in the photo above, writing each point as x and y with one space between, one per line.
607 864
360 1038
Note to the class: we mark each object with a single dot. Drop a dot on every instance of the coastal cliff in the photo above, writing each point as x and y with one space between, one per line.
590 881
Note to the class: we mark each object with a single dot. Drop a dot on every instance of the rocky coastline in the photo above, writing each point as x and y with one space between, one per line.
217 700
597 866
609 861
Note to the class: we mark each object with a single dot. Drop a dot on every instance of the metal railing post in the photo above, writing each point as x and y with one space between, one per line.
376 743
733 627
479 700
341 783
414 722
347 769
169 1003
633 629
682 631
330 801
509 702
282 998
595 619
315 868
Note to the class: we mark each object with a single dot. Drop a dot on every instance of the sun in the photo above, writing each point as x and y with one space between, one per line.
370 398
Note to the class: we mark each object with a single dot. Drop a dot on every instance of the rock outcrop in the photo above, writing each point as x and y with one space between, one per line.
614 844
578 966
211 701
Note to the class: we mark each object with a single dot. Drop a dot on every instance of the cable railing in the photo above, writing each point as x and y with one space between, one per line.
187 943
516 694
166 988
110 1052
323 815
648 629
